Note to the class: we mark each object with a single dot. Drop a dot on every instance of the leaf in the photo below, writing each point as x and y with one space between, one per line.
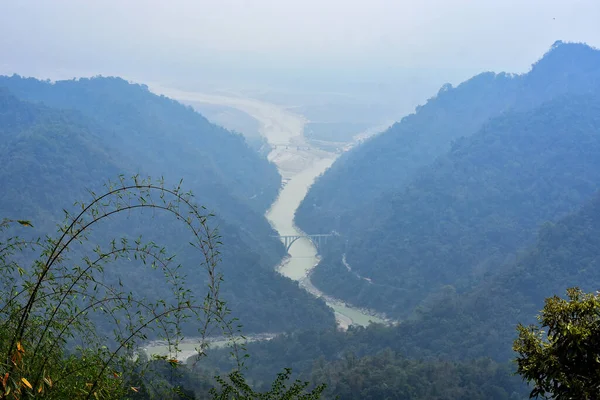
4 380
48 381
26 382
20 347
135 389
25 222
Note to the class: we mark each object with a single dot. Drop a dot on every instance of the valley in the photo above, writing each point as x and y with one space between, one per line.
299 163
300 200
458 220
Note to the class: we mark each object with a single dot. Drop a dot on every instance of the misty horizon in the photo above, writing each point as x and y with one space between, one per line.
291 42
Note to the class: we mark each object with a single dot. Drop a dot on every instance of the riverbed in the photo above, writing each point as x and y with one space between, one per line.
299 164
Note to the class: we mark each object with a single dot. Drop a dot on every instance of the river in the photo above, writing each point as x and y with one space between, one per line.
299 164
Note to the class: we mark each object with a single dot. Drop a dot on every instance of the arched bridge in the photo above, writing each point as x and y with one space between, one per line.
318 240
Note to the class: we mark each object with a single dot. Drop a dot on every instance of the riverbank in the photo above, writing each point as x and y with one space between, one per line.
345 314
189 347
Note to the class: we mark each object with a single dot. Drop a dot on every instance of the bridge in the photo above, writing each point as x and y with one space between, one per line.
318 240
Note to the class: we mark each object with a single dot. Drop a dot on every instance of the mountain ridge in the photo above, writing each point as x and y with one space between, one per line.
389 160
54 150
464 214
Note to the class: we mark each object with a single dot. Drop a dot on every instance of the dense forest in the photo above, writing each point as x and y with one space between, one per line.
59 139
471 209
388 161
384 374
462 248
480 321
456 333
487 188
457 223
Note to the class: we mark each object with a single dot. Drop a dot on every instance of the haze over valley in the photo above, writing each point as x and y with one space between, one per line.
300 200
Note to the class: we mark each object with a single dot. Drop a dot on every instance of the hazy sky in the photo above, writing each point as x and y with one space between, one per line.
159 38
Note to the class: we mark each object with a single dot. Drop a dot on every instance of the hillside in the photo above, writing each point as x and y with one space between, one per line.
162 135
49 156
89 131
469 211
481 322
385 374
388 161
454 331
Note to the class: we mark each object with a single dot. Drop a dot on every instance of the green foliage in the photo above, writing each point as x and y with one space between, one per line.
371 363
471 210
163 138
452 191
88 129
479 322
49 344
389 161
561 356
455 326
237 388
390 376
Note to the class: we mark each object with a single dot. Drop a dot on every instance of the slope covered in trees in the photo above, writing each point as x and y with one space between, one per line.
88 131
163 137
482 321
461 217
388 375
372 363
388 161
453 332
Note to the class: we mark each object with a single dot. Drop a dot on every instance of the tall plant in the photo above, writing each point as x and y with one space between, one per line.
49 344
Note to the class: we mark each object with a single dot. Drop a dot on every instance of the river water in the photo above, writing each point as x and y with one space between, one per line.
303 255
299 164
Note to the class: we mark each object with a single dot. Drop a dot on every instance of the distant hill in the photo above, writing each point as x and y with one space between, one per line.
463 215
162 136
388 161
59 138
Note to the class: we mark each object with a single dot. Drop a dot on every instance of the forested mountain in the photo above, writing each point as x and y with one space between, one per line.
481 322
161 136
60 138
389 375
388 161
472 208
443 221
384 374
453 332
39 145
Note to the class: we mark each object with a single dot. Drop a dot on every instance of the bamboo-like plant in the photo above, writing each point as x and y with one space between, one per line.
49 344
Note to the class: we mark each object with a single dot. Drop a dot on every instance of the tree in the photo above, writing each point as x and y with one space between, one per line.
561 358
237 388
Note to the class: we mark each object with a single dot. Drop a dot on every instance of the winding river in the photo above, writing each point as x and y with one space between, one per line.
299 164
